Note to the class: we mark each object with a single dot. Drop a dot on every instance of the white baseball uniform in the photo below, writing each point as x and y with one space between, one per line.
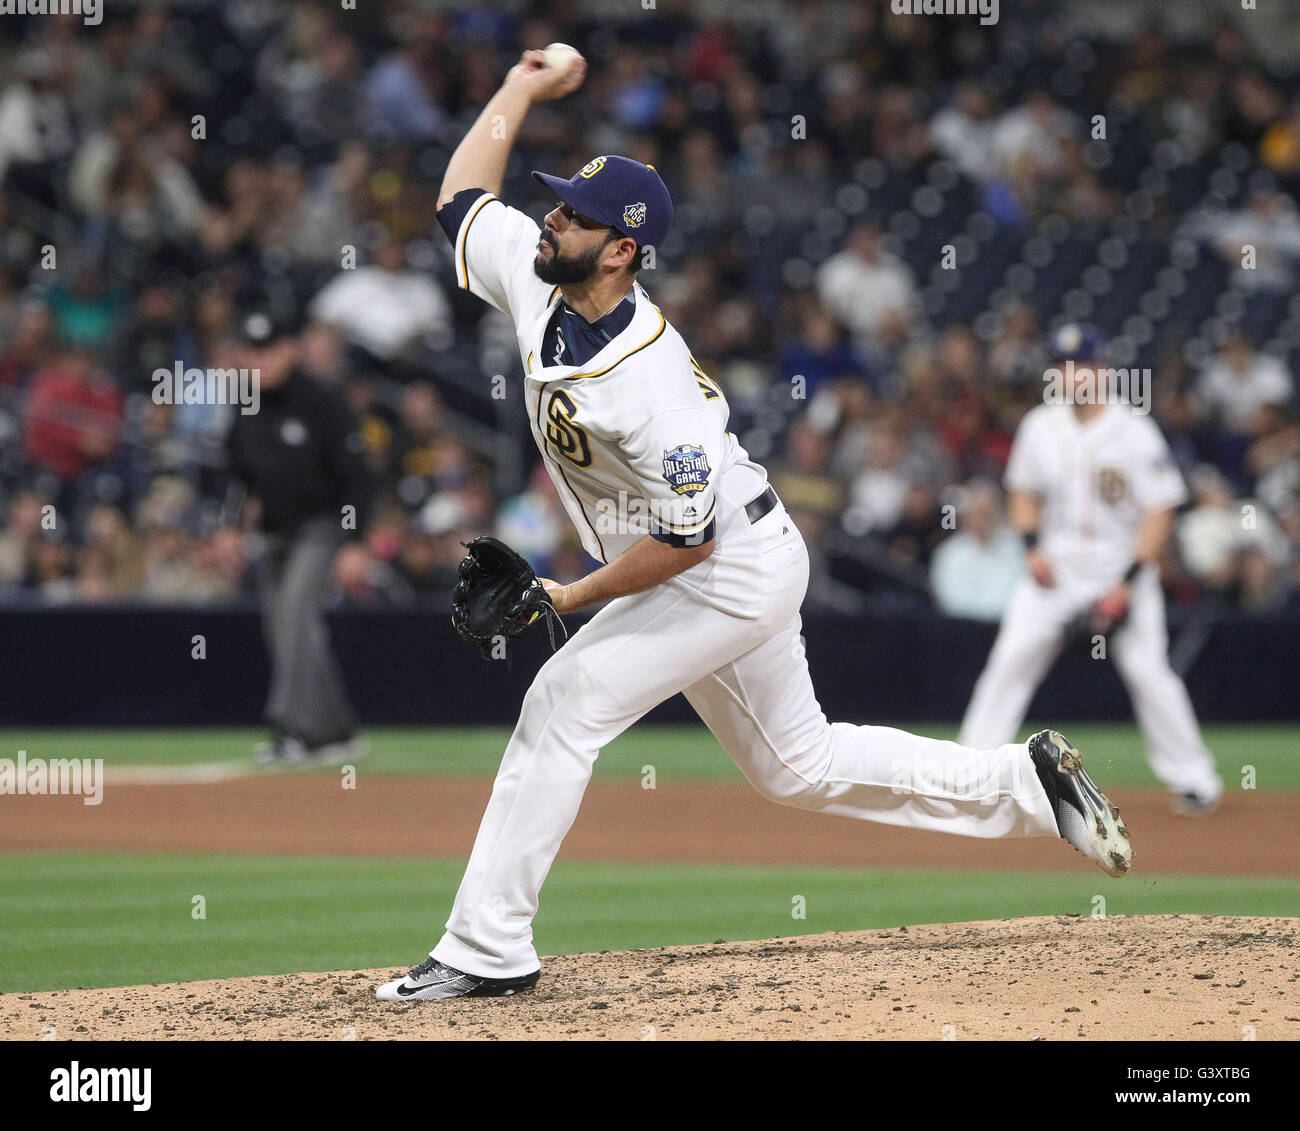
637 436
1097 480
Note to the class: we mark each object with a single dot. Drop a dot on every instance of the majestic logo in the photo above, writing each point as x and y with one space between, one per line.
1111 485
686 468
592 167
634 215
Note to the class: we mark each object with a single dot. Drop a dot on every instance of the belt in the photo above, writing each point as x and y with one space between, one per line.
760 505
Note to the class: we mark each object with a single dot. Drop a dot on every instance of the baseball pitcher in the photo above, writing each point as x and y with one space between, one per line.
703 572
1093 489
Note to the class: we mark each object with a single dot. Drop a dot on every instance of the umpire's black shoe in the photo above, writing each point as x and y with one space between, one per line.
432 980
1084 816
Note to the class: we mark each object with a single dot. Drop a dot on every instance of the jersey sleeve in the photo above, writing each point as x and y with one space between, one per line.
1157 483
674 455
1024 465
494 248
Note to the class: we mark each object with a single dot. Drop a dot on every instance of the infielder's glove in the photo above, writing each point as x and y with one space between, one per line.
497 596
1080 631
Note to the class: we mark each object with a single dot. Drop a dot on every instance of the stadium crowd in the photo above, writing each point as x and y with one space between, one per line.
162 171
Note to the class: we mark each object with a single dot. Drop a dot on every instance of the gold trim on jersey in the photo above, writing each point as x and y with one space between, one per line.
462 260
648 342
689 529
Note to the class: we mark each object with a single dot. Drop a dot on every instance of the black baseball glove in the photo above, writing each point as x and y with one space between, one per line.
1080 630
497 596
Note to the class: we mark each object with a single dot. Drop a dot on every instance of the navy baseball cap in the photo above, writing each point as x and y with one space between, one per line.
1078 341
621 193
260 326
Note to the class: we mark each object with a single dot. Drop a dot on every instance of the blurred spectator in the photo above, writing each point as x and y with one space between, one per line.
30 343
85 312
1033 132
1017 356
171 573
1260 243
919 529
36 128
975 571
534 522
1238 382
803 480
1221 537
963 131
818 352
1274 459
878 491
399 102
384 308
868 290
154 336
22 528
73 416
120 566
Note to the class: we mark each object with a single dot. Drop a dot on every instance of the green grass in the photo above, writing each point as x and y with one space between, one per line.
1113 751
69 920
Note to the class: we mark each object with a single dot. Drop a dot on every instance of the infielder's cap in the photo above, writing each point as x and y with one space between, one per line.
1078 341
627 196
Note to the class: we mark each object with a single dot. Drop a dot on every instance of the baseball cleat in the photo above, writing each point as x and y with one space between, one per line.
1084 815
285 750
1193 804
433 980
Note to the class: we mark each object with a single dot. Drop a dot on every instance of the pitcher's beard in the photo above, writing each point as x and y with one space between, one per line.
558 271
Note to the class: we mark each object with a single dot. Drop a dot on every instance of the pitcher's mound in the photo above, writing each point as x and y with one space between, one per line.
1128 977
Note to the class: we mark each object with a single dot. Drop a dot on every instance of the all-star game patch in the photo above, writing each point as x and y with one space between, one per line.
687 469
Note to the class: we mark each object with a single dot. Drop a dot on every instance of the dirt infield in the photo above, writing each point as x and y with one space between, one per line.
1185 977
717 822
1137 977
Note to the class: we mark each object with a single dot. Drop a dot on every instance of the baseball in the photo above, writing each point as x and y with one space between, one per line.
560 55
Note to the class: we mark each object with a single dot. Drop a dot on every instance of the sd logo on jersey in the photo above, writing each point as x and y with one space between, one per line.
686 469
1111 486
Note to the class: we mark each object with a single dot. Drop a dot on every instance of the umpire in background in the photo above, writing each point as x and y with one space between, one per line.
299 456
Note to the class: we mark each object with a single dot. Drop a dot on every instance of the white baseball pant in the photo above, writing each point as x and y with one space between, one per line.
744 672
1030 640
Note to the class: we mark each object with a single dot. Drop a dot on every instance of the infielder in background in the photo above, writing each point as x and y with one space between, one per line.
703 578
1093 490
